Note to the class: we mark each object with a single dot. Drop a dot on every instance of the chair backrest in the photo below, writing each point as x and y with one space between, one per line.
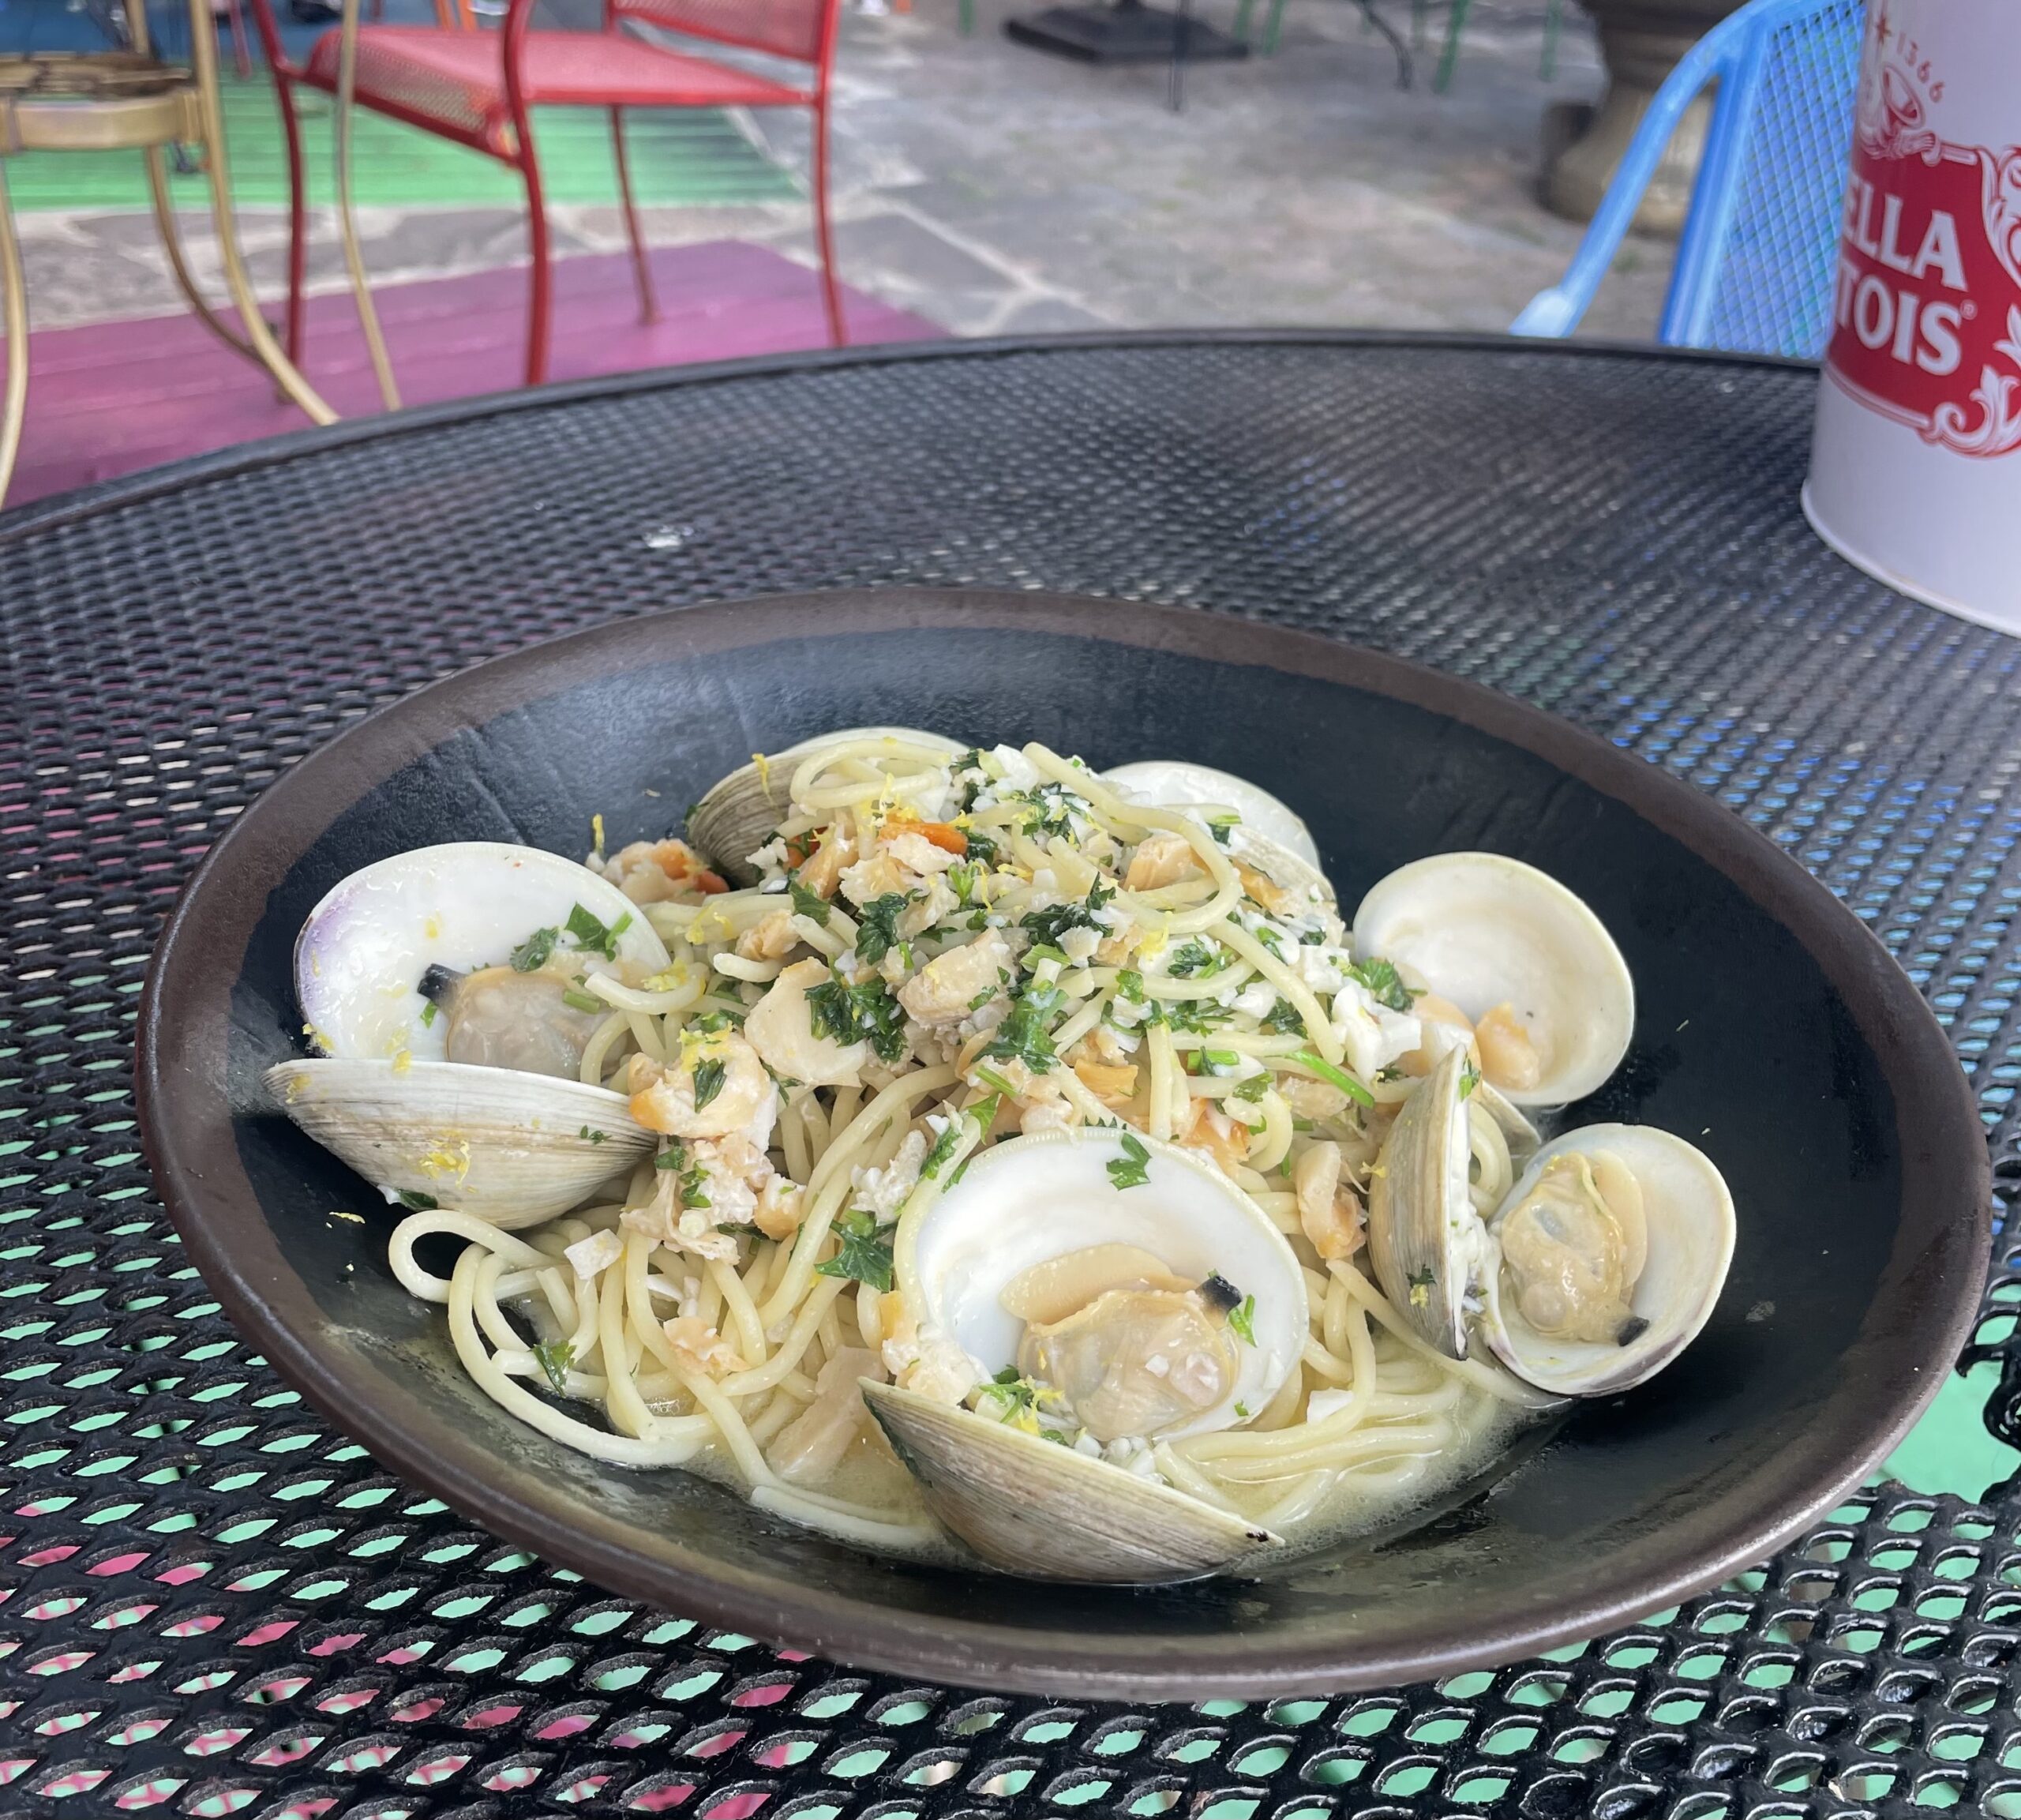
1754 267
800 29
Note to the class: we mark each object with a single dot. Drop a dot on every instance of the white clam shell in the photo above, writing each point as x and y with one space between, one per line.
360 957
1480 928
1689 1213
1176 783
511 1148
1037 1198
738 814
1044 1512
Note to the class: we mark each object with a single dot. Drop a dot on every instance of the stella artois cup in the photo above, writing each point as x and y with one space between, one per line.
1915 472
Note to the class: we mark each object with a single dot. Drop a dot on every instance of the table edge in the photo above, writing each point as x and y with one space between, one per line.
58 509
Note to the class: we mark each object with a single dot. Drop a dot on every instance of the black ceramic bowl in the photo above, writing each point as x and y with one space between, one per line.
1773 1031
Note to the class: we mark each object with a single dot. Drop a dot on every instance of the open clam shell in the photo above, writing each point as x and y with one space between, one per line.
1044 1511
1176 783
1481 930
511 1148
1430 1249
1687 1214
739 813
361 956
1053 1216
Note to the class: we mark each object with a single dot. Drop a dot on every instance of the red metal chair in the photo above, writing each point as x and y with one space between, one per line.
479 88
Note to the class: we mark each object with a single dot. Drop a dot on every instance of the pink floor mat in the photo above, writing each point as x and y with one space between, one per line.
110 397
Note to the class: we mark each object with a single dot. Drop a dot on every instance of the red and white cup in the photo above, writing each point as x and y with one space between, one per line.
1915 469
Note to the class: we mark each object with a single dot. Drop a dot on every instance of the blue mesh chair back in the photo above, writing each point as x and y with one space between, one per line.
1754 267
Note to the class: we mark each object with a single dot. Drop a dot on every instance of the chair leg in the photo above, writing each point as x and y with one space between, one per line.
540 297
178 265
368 317
967 18
204 58
1272 26
1243 15
298 216
1554 18
642 263
16 322
1455 23
824 237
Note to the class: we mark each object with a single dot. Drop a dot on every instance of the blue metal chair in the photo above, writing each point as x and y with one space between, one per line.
1754 265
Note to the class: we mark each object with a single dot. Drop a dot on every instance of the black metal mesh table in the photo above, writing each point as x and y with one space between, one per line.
211 1604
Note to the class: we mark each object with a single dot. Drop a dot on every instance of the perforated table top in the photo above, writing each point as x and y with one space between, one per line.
211 1604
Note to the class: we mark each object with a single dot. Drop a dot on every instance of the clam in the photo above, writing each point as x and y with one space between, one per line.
437 987
1132 1294
1524 958
739 814
1600 1264
1173 783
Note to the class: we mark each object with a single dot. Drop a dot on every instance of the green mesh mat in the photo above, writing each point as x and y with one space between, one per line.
679 156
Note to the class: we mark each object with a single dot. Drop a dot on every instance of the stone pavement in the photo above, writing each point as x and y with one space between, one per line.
996 190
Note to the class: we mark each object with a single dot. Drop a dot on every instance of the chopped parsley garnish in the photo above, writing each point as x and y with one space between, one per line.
943 1148
428 1012
1254 1088
1133 1169
1242 1412
1285 1018
673 1157
581 1001
1046 926
1335 1077
592 937
864 1012
1220 1061
1267 934
1023 1036
1470 1077
1421 1282
694 1188
1385 984
590 1135
554 1357
809 904
1242 1317
416 1202
1192 959
531 954
1007 1395
1052 809
980 847
710 1023
972 786
1129 986
877 927
1044 952
863 1257
1197 1017
1221 826
708 1077
982 998
961 878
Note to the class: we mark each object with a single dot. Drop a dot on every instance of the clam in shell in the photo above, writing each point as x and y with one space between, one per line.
739 813
1483 931
1146 1298
1601 1263
447 1073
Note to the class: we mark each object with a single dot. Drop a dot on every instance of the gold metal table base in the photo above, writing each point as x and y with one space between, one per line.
127 100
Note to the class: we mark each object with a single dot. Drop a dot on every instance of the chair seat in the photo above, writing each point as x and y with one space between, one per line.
455 81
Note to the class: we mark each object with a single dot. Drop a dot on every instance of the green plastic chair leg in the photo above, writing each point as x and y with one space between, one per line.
1272 26
1420 11
968 17
1242 14
1455 23
1554 15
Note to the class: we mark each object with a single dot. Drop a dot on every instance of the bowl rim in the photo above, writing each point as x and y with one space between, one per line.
1924 1309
